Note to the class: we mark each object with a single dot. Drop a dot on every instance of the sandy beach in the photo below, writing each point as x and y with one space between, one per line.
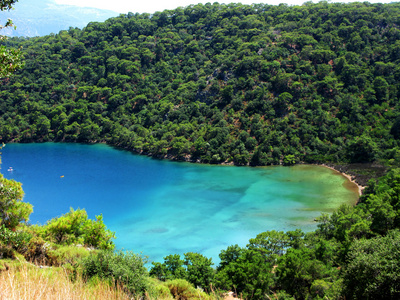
349 177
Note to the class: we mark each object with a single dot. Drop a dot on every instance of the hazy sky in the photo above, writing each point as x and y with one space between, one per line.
150 6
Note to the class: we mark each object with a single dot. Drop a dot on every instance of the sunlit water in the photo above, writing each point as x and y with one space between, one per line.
163 207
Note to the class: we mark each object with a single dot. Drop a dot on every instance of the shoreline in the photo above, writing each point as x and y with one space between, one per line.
350 170
351 178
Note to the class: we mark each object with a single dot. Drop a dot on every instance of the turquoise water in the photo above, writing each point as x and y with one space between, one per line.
162 207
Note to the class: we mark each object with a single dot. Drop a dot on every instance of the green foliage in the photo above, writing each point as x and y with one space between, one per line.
289 160
182 289
195 268
298 270
242 84
373 271
321 289
119 267
245 271
270 243
62 255
395 130
362 149
10 59
346 224
12 208
159 271
157 290
199 270
7 4
172 268
383 202
17 240
6 250
37 251
75 228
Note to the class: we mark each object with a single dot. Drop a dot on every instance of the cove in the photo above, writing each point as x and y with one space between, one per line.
159 207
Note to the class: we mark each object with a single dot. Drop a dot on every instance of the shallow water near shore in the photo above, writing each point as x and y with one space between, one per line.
160 207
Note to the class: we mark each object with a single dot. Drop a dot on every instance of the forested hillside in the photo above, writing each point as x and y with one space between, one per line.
214 83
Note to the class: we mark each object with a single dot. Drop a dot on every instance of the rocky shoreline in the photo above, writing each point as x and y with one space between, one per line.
359 173
349 177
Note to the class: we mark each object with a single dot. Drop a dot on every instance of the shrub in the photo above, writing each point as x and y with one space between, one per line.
37 251
13 240
60 255
157 290
119 267
75 228
6 250
182 289
12 209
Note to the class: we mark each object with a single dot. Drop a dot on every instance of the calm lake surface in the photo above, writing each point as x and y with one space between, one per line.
161 207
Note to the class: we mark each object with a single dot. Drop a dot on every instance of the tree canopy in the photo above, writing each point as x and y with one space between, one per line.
10 59
244 84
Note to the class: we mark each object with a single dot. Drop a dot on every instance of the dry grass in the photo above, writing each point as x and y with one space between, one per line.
29 282
24 281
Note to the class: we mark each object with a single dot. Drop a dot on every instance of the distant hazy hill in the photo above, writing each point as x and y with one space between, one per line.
42 17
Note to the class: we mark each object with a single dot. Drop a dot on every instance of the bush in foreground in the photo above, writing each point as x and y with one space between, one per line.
182 289
75 228
125 268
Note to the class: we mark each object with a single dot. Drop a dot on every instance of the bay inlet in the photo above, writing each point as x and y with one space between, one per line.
159 207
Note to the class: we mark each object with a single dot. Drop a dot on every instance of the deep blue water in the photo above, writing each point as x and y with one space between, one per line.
161 207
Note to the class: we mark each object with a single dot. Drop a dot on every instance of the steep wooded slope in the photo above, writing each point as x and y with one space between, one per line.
256 84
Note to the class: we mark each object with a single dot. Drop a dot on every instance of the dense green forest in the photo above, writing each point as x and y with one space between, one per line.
257 84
